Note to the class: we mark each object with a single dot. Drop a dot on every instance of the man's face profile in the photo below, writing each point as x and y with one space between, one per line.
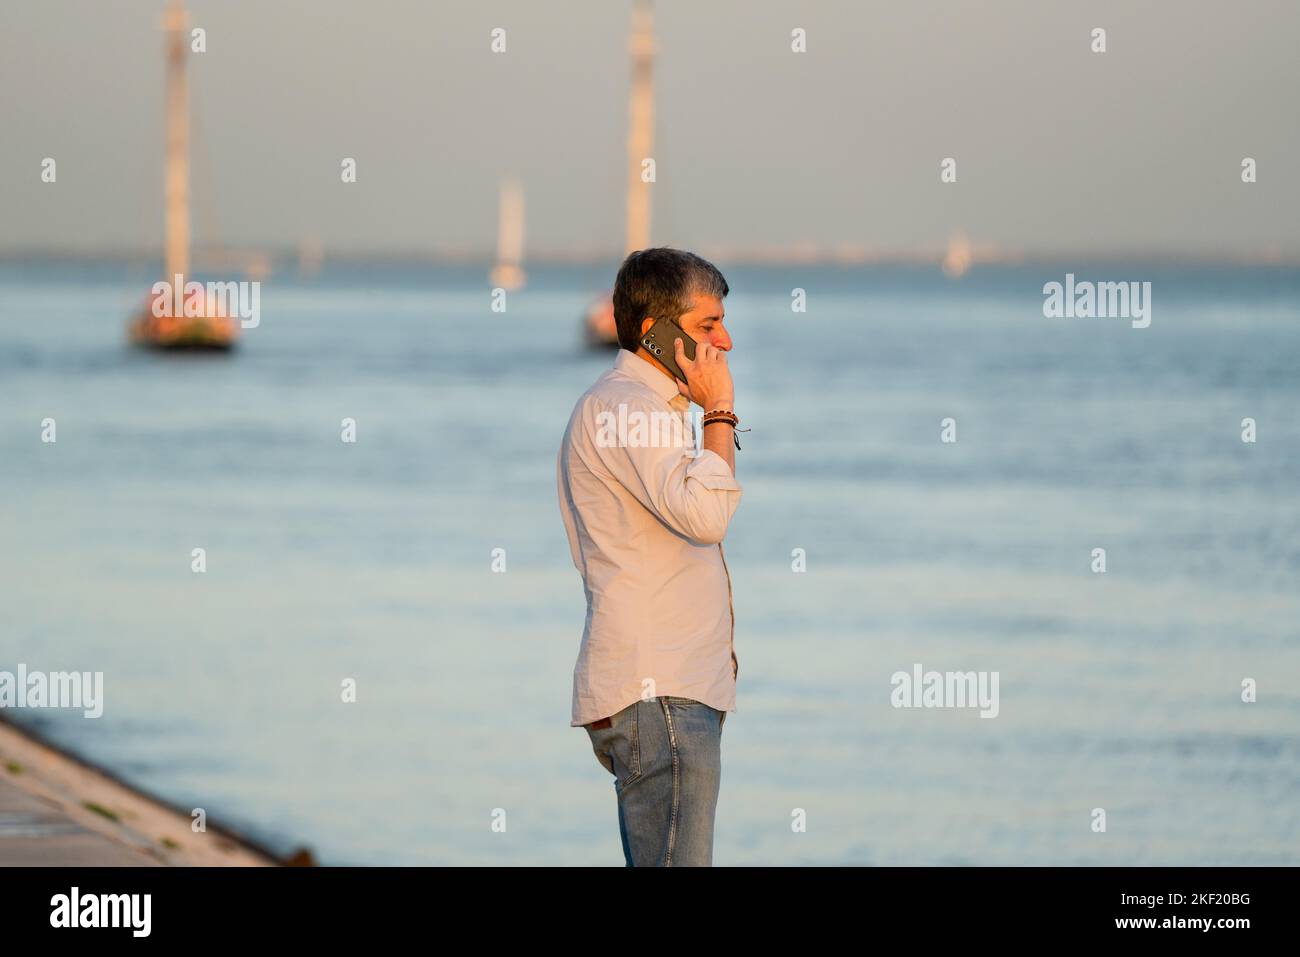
702 322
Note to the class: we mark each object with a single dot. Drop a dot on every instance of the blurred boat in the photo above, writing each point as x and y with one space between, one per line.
957 260
598 323
211 327
599 331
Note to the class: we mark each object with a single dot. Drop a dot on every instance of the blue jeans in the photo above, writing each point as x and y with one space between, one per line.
666 758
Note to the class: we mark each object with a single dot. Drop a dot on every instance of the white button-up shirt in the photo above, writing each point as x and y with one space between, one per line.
645 513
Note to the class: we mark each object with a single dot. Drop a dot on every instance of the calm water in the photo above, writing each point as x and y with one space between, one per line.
372 561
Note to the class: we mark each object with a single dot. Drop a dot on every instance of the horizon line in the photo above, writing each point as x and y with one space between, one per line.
315 256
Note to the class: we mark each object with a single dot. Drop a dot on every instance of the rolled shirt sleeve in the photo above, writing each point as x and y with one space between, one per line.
694 495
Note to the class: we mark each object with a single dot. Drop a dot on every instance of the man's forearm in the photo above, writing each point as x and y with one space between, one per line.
720 437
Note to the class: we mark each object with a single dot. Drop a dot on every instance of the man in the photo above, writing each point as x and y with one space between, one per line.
656 671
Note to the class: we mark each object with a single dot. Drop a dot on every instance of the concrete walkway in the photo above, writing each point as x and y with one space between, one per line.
57 811
36 833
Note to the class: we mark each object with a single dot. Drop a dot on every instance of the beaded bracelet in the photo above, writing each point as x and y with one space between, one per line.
723 415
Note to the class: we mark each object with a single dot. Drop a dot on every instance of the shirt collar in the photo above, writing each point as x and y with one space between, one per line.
664 386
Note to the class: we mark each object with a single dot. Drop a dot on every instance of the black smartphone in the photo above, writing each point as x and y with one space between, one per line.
658 341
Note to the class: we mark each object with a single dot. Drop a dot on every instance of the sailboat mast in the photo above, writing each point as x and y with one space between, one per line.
641 120
176 183
508 272
510 226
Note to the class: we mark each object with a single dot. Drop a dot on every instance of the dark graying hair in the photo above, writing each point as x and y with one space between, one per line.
660 282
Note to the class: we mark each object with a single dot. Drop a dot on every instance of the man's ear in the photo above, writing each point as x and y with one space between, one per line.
646 323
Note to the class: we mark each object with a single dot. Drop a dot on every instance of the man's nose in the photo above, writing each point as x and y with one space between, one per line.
720 340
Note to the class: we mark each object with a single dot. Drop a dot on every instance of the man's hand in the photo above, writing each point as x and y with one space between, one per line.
708 378
708 385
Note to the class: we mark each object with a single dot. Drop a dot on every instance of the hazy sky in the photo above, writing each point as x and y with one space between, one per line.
1057 148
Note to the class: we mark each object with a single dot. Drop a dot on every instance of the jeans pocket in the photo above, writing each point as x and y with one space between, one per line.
675 700
618 747
679 703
